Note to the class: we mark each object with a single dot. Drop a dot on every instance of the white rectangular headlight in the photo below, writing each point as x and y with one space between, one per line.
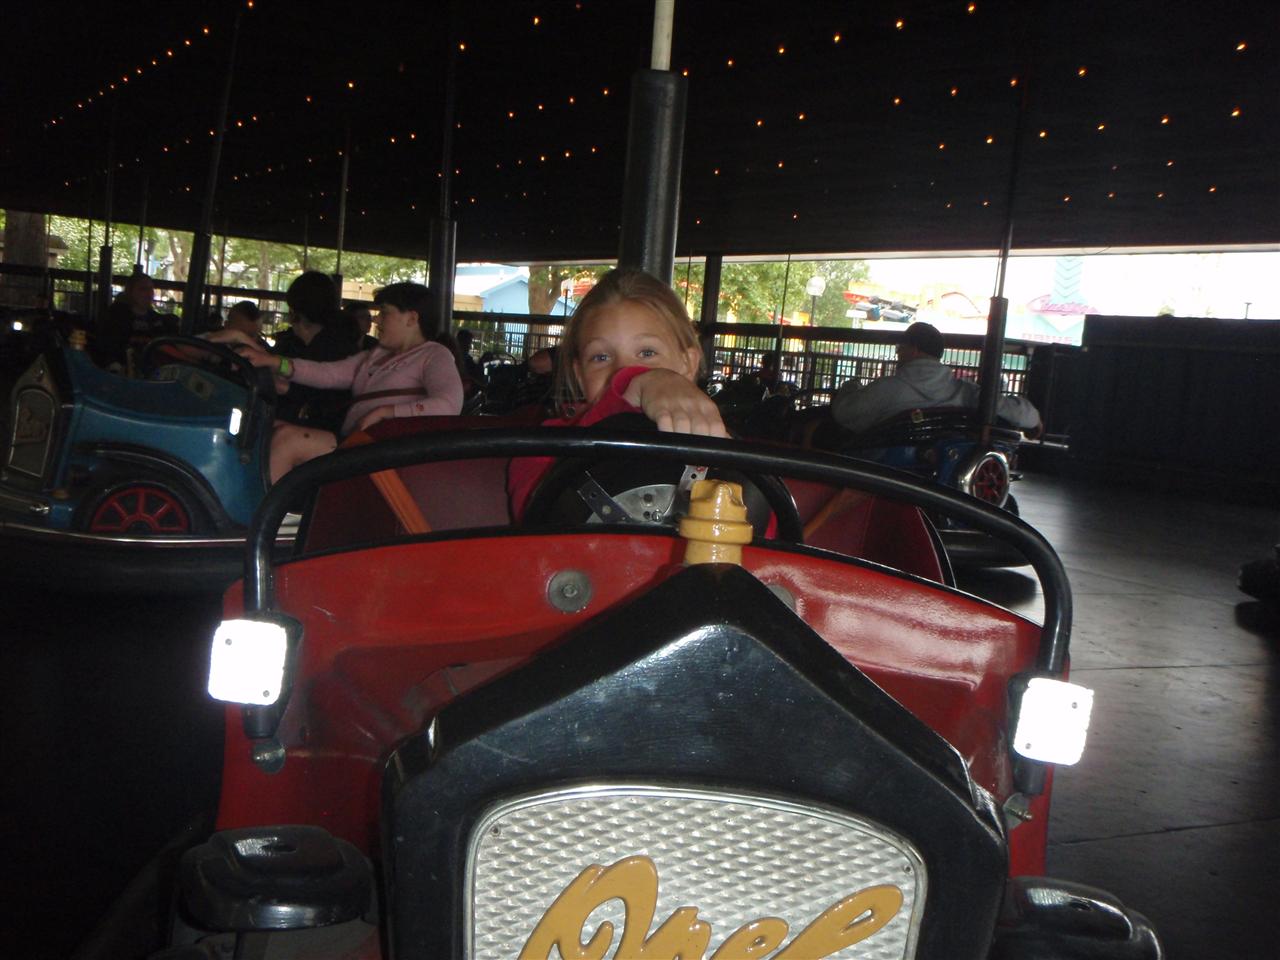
246 662
1053 721
233 423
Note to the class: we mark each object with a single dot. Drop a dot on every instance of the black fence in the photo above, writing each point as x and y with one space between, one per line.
815 360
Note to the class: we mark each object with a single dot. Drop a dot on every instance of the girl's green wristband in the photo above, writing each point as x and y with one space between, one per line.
286 368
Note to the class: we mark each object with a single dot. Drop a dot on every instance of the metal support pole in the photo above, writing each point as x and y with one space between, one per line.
651 184
342 206
442 255
138 265
989 381
782 312
193 296
710 303
90 311
105 253
664 12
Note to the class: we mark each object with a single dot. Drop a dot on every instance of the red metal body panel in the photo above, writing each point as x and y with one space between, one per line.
393 633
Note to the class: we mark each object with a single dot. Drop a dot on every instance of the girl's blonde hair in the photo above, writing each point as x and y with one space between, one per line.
623 284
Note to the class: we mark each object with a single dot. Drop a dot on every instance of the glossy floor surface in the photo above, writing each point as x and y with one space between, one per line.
110 747
1175 807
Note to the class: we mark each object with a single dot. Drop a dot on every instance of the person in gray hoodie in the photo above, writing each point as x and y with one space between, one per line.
921 380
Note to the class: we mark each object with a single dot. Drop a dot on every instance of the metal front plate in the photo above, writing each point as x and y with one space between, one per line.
735 858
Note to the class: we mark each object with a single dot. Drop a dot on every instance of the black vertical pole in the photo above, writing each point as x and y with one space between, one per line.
90 309
105 252
710 304
193 296
342 212
989 385
442 256
782 311
651 184
138 266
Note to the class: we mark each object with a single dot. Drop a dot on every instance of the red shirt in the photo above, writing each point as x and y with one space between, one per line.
524 473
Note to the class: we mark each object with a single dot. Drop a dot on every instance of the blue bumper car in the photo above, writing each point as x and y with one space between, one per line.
113 483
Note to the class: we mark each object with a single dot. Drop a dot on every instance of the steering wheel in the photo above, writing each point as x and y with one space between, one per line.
650 492
216 358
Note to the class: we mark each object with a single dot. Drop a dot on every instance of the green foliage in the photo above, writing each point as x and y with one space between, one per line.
753 292
545 280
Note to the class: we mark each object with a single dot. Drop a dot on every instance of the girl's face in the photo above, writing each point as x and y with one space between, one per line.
628 334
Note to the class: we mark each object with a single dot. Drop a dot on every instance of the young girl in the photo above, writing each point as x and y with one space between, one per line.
406 375
629 347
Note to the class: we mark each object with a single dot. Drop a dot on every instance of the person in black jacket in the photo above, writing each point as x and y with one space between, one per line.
316 332
131 323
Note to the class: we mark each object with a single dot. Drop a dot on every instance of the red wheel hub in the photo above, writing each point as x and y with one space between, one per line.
991 480
140 508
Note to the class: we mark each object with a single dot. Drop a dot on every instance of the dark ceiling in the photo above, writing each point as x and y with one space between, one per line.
812 126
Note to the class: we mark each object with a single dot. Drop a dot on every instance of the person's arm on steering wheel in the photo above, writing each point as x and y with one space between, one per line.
671 401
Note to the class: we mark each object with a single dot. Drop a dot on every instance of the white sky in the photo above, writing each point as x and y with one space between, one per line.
1135 284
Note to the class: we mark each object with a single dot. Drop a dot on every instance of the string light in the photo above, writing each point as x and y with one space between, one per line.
897 101
1111 195
1164 121
1081 72
1168 163
1213 189
537 21
759 123
1160 195
1013 81
1101 127
781 50
1235 112
971 8
836 38
1067 198
729 62
1043 134
942 146
1241 47
900 24
462 47
990 140
954 91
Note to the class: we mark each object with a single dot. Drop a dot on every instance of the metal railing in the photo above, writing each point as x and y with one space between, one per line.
816 360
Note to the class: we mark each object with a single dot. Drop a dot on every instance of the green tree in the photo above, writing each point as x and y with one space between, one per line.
545 280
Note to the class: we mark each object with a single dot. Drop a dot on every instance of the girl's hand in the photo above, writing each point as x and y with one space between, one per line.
675 404
376 415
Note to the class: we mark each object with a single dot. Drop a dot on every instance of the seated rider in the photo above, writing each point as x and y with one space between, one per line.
409 374
630 347
131 323
921 380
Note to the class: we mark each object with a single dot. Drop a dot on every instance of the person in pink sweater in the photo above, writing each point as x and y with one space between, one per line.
407 375
629 347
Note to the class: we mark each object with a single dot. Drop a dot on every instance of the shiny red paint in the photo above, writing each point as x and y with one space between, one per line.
393 633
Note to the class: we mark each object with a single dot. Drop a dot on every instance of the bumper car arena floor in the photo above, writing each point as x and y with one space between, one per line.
111 747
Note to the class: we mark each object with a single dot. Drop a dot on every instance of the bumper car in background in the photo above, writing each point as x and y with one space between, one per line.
116 484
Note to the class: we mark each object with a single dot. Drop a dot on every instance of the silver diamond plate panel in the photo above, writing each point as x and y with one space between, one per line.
736 858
